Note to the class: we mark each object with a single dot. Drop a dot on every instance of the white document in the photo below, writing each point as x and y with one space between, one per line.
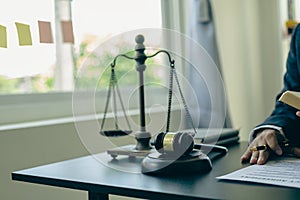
282 172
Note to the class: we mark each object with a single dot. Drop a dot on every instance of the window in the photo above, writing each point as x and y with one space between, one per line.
25 69
31 69
116 17
29 76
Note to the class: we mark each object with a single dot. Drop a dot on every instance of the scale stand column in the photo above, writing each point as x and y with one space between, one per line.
142 148
143 137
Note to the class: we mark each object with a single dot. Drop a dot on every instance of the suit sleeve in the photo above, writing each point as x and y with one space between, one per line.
284 116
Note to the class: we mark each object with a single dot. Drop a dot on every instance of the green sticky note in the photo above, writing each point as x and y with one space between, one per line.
24 34
3 37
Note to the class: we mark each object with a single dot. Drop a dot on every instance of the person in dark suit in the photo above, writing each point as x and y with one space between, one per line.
280 132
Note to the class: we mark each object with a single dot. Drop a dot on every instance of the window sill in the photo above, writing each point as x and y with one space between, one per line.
82 118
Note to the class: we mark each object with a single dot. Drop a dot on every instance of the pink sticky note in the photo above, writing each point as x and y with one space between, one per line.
67 31
45 32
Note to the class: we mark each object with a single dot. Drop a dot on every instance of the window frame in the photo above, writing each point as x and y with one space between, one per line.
59 105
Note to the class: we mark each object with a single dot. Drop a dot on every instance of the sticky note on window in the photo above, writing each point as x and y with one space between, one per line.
67 31
45 32
24 34
3 37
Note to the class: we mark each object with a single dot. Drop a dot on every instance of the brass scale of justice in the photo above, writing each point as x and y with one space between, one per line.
170 152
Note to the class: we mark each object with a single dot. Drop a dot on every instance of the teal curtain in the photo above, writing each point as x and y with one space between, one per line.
202 30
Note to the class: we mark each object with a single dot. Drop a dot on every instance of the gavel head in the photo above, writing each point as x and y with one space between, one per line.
180 143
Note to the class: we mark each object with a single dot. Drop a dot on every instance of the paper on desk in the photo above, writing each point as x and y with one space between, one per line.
282 172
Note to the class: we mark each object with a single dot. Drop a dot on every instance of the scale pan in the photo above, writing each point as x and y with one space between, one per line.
115 133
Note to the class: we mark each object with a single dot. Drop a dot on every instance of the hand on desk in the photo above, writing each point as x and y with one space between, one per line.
265 137
268 137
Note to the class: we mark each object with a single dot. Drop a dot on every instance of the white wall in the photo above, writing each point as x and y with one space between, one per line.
249 38
28 147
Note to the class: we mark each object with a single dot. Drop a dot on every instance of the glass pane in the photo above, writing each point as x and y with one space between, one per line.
26 68
31 69
95 22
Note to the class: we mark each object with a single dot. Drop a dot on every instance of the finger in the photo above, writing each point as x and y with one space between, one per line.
263 157
298 113
254 157
272 142
296 151
247 155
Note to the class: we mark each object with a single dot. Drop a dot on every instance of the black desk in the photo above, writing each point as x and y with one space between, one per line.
88 174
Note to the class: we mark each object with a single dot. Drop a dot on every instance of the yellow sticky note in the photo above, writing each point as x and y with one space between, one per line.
24 34
45 32
3 37
67 31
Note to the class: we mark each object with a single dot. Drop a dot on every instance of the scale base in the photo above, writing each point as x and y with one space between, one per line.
129 150
195 162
